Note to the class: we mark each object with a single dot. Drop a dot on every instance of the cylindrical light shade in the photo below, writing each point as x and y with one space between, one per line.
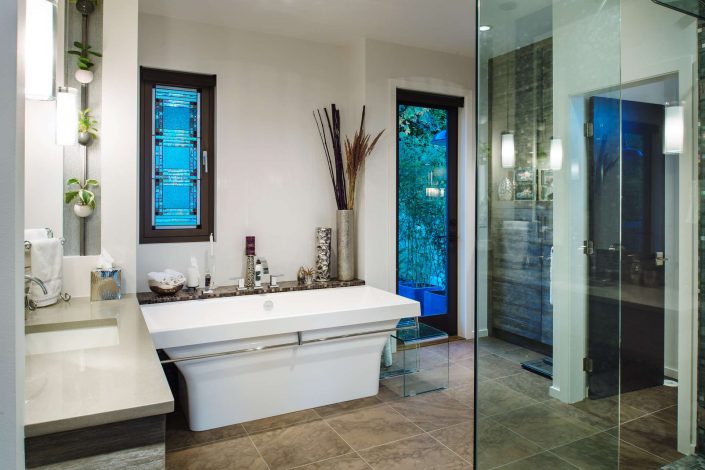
673 130
40 49
508 153
67 116
556 154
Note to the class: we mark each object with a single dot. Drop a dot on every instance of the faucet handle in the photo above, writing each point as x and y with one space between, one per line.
273 280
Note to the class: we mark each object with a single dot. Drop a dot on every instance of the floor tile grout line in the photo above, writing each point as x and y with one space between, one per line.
201 444
532 456
392 442
364 460
252 441
406 418
346 412
347 443
641 448
562 459
452 451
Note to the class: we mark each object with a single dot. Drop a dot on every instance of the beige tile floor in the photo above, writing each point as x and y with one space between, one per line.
520 426
428 431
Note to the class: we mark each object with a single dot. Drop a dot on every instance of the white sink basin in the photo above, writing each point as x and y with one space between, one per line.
71 336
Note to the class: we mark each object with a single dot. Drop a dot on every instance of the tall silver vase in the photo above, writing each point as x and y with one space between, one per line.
346 244
323 236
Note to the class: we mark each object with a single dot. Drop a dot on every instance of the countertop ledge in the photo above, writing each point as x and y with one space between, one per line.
79 388
232 291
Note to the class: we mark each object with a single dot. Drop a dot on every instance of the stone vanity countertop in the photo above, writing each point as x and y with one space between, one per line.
97 365
232 291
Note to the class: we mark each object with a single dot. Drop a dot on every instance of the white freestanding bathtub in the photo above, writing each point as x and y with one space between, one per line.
275 353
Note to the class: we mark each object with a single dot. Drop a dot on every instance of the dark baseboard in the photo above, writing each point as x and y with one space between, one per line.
541 348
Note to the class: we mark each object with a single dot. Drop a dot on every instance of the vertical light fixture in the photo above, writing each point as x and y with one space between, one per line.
555 158
508 151
66 116
40 49
674 127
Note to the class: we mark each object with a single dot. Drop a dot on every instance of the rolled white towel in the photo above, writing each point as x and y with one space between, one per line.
167 277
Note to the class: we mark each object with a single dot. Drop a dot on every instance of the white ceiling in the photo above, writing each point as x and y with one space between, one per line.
443 25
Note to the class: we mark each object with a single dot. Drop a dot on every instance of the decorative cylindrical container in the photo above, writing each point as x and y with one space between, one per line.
346 244
106 284
323 235
249 245
250 272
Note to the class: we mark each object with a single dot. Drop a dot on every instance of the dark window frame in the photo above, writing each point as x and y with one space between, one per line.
206 84
447 322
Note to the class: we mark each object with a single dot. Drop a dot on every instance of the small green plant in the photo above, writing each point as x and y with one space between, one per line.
86 123
84 53
83 195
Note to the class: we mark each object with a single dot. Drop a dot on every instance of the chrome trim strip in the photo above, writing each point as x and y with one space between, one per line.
276 346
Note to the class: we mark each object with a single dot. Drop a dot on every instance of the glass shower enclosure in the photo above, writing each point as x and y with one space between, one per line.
577 202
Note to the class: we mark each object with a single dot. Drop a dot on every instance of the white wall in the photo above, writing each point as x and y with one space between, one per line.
272 179
11 256
672 48
387 65
118 232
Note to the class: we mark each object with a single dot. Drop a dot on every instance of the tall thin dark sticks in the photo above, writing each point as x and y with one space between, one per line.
337 173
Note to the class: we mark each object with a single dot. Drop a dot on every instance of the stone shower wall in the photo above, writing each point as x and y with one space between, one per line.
521 231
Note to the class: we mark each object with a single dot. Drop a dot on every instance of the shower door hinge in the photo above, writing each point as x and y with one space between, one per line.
587 365
588 247
589 130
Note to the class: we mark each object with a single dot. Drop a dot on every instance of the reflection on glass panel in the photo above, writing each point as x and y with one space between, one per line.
176 140
539 66
422 250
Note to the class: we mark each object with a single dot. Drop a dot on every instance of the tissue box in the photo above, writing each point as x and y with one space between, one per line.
106 284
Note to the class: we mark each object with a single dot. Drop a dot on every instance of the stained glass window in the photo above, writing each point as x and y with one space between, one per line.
176 169
177 156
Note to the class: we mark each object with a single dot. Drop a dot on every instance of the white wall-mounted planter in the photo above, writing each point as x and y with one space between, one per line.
84 76
81 210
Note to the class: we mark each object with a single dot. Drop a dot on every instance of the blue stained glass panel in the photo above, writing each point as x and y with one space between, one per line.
176 151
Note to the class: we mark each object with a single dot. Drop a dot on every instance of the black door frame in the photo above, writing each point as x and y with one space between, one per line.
449 321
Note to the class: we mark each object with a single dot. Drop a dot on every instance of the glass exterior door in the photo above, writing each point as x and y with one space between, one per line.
427 153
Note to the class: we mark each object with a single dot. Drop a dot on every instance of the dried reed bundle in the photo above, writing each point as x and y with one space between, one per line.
355 154
335 162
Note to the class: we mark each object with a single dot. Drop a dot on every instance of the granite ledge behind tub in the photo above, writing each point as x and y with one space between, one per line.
232 291
82 388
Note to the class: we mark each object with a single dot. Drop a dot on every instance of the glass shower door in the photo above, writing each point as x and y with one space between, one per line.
549 236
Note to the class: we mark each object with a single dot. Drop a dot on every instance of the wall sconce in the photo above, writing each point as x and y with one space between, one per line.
674 128
40 49
508 152
555 158
67 116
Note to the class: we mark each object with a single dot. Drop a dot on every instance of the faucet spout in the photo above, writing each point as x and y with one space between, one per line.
37 281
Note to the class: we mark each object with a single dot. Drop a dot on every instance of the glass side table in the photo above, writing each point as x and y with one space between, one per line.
410 364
